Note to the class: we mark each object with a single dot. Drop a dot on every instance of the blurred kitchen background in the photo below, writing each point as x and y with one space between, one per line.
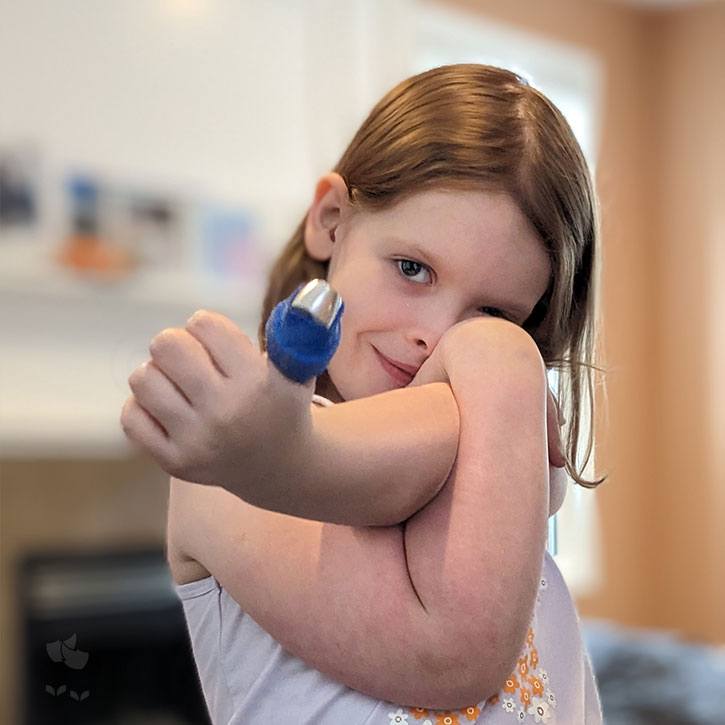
155 156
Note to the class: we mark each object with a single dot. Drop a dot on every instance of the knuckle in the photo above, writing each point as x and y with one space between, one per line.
201 318
164 340
207 322
137 376
123 419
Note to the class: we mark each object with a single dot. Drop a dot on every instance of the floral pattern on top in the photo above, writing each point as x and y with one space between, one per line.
526 694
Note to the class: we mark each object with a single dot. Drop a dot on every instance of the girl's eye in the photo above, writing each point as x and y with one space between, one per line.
410 268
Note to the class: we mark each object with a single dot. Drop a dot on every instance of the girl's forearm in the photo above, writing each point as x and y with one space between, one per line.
368 462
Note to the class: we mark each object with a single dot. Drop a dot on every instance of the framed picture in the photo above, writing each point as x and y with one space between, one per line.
19 188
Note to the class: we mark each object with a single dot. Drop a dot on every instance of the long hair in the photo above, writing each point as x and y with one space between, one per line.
477 127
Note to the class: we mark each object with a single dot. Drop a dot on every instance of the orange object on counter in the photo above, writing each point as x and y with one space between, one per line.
92 255
85 250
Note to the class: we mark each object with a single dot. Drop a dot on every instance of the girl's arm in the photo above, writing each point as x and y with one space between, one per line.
432 612
212 409
368 462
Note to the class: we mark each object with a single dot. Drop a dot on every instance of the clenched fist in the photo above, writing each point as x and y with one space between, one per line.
208 406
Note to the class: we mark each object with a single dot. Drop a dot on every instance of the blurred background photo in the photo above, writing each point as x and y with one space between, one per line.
154 158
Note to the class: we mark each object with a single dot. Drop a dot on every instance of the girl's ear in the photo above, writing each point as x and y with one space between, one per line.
329 208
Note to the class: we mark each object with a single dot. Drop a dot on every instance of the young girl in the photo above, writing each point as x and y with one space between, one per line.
369 547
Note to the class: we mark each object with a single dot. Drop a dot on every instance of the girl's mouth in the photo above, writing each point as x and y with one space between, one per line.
399 376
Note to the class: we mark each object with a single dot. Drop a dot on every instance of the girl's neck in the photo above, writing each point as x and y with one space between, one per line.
326 388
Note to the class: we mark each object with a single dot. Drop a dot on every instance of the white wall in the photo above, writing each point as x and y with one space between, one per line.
241 100
229 100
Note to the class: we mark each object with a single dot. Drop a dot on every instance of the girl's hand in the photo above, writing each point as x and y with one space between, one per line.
208 406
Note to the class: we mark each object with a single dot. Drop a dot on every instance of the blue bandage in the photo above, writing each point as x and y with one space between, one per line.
298 344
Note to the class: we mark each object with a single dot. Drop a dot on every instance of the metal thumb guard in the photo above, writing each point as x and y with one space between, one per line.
303 331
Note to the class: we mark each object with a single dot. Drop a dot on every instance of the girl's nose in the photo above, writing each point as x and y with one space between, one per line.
426 330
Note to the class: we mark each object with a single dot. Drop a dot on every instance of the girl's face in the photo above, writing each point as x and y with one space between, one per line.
409 273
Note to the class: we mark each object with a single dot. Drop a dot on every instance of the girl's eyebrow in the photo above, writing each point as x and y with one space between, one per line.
438 263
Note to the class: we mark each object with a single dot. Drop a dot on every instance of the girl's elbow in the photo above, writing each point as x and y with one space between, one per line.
476 345
463 682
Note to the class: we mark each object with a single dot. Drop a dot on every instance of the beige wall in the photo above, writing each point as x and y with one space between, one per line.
690 240
661 177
